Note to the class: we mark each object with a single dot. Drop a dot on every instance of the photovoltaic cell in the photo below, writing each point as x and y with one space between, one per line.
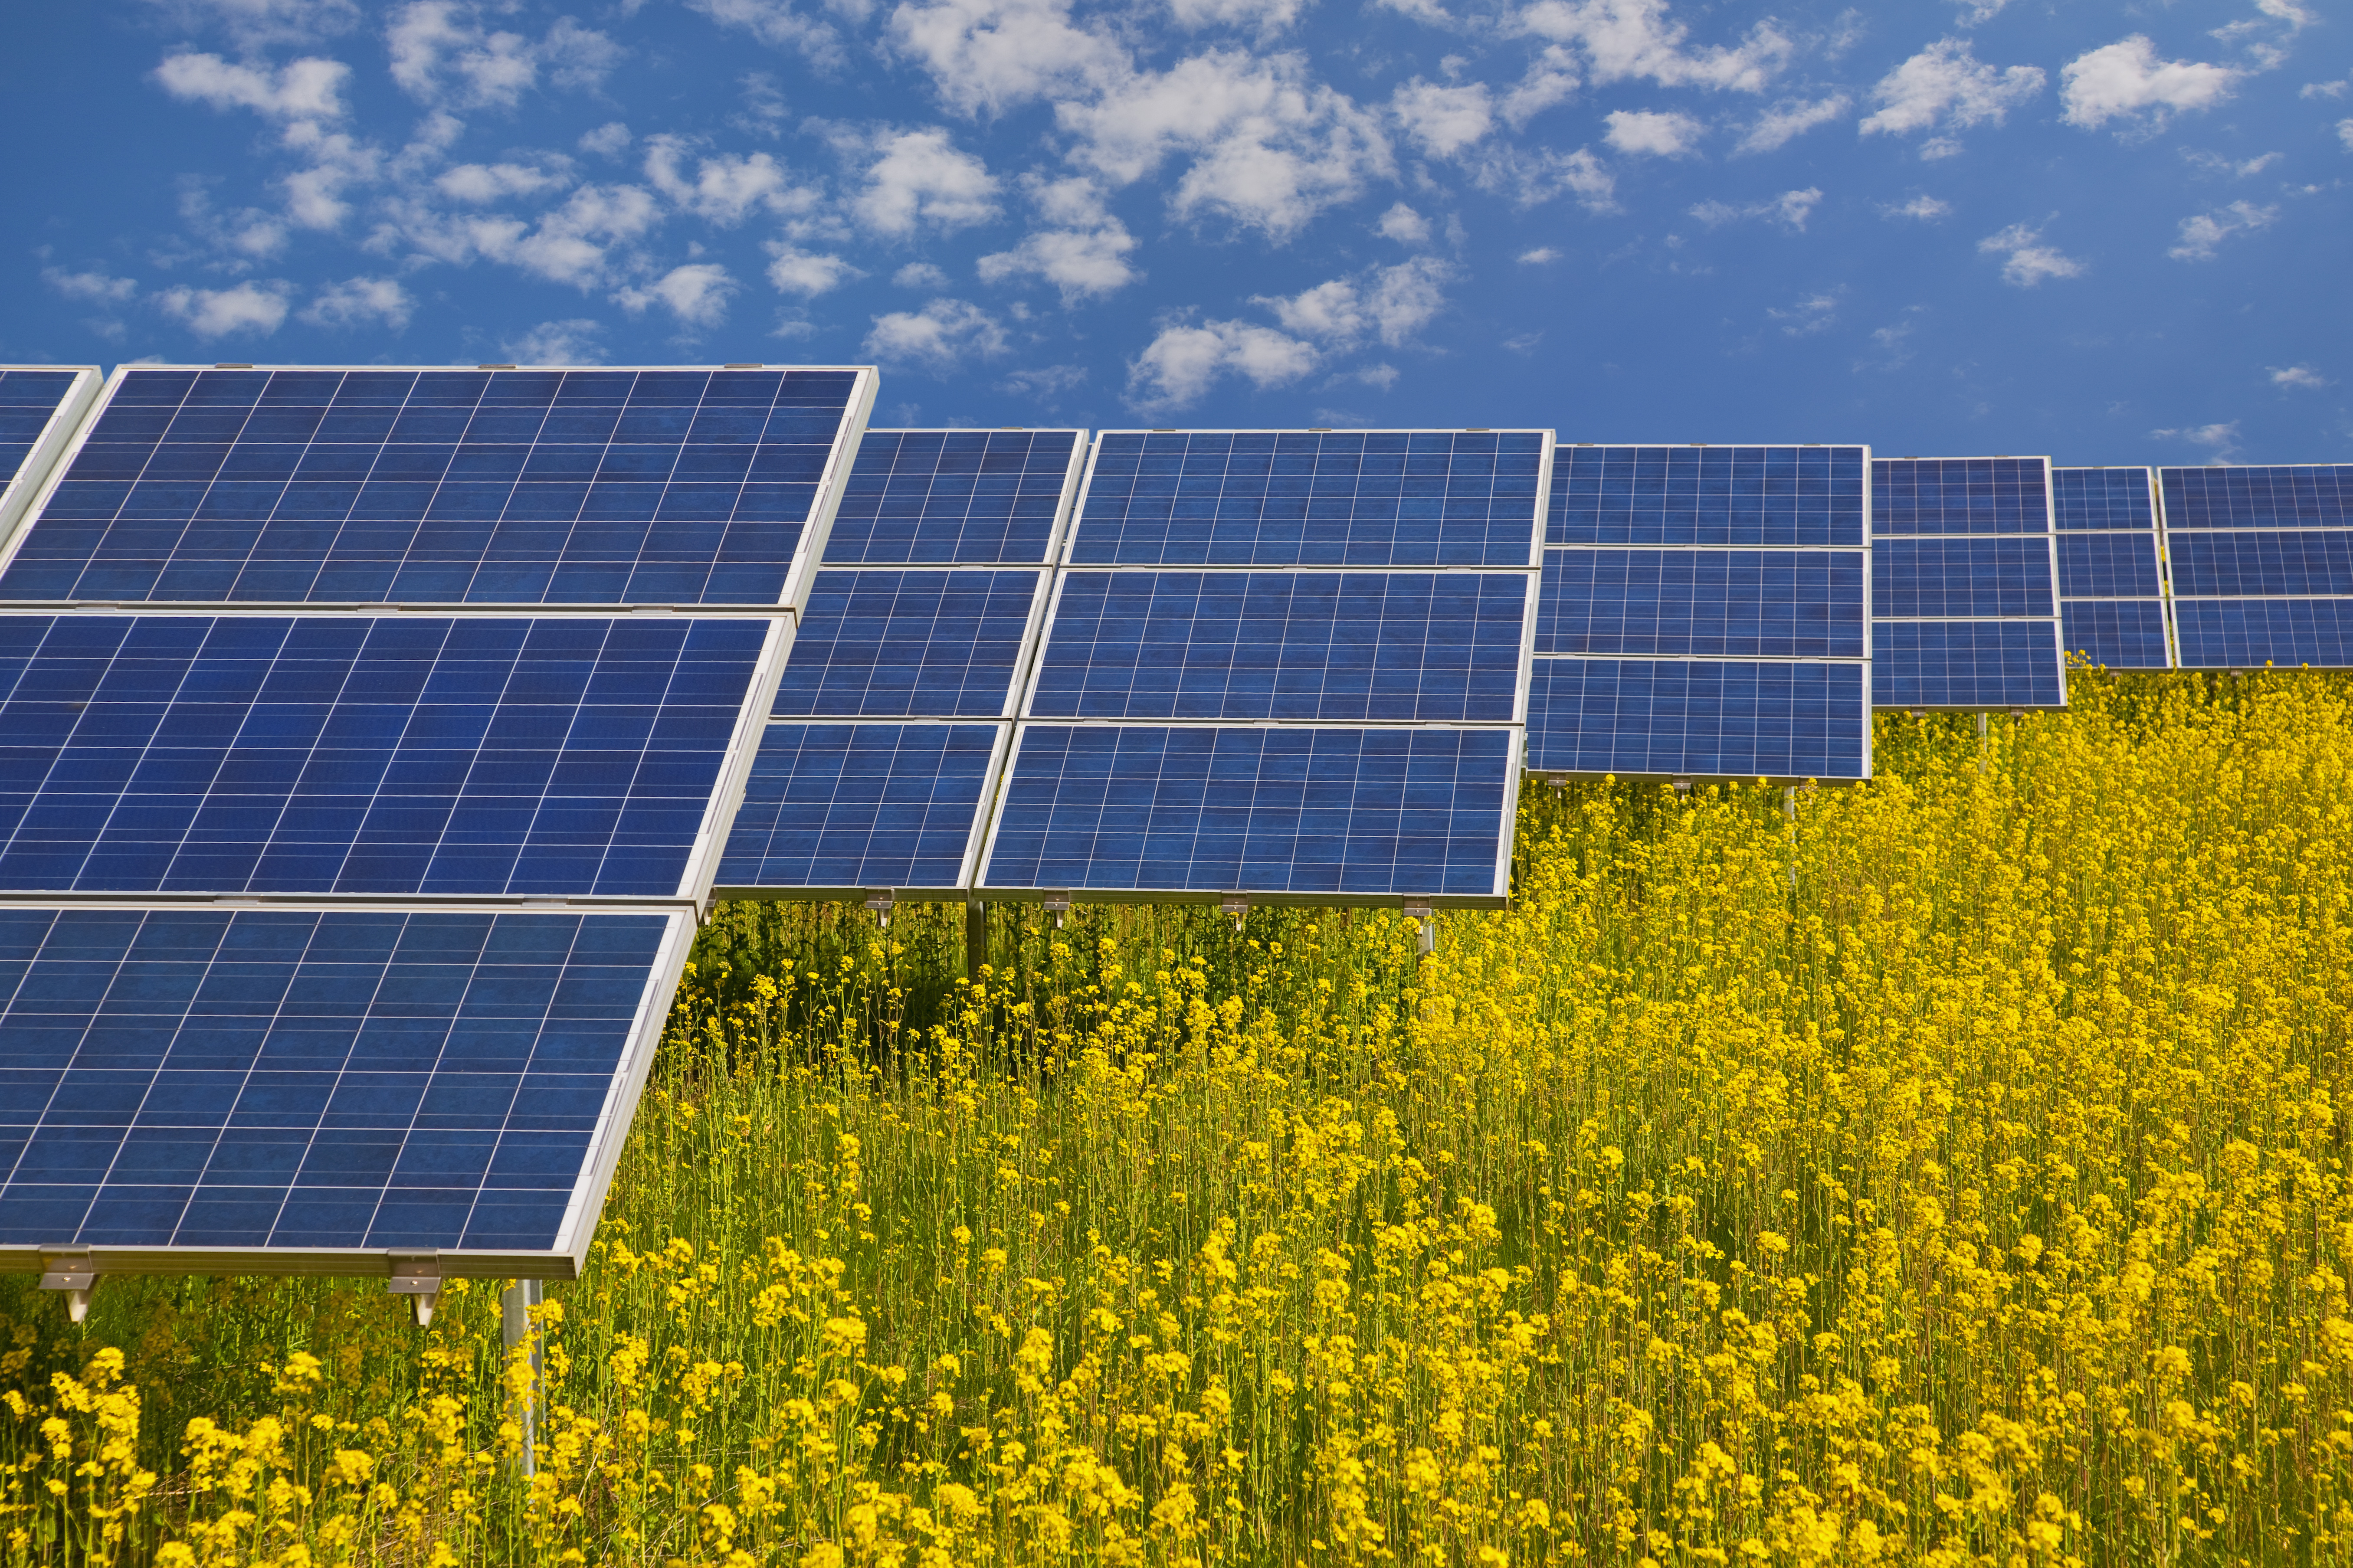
926 498
1984 577
1964 584
1707 495
1697 717
1295 497
844 806
1276 811
29 399
2263 565
686 487
213 1079
1393 646
1965 664
2111 580
2120 633
1785 604
1959 495
2108 566
895 645
379 755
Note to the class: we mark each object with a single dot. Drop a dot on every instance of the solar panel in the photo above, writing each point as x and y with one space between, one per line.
912 643
956 498
1965 602
314 485
387 755
242 1091
2261 560
2111 567
1704 613
41 407
836 809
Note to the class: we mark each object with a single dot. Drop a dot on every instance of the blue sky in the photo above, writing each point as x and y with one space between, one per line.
2115 233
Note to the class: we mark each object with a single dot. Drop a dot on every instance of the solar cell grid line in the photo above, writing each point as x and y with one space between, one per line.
2261 560
2112 605
499 488
206 754
41 409
1966 584
1700 493
929 642
308 1089
957 498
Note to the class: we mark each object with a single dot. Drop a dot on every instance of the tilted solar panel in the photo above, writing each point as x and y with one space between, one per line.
912 643
226 1091
956 498
1706 614
838 809
457 486
1965 608
2261 560
41 408
2112 606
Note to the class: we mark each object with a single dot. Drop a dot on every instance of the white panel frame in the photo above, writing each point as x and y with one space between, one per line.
2155 533
33 478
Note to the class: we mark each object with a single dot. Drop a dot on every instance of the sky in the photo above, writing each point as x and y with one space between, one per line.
2114 233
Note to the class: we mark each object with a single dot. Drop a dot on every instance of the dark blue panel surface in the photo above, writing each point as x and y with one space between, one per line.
909 645
1962 577
952 498
2108 566
1958 495
859 806
202 1079
2118 634
1271 811
1965 664
1296 498
1298 646
2103 499
356 754
457 486
2302 564
1706 495
1766 602
28 401
2315 495
2223 634
1698 719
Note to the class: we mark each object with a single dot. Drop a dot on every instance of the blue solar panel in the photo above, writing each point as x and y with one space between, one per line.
2118 634
896 645
1295 497
1321 811
1959 495
2234 633
450 486
2111 584
2103 500
202 1079
1766 602
29 399
1965 664
1684 718
1402 646
954 498
2263 565
2316 494
2249 564
838 806
1961 578
1707 495
2108 566
377 754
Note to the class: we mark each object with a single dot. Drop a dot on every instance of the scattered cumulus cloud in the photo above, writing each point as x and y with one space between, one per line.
2026 261
2297 376
1925 209
2126 80
442 54
1443 120
1391 303
2214 163
1947 88
780 25
573 340
480 183
2222 439
249 309
609 140
724 188
986 57
919 275
1539 256
309 89
1178 368
1264 17
2336 89
1790 209
1790 118
915 178
696 293
1082 250
938 338
1404 225
91 288
1625 40
1814 314
362 302
1531 178
806 272
2202 233
1655 133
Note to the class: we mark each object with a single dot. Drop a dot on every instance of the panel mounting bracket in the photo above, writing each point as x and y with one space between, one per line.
880 900
1425 920
417 1276
1057 905
1682 787
73 1273
1235 905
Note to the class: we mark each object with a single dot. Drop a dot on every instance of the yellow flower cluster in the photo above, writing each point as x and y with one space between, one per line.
1944 1171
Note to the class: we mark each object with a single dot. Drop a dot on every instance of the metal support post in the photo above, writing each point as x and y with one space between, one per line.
1984 729
73 1273
515 1327
1425 920
417 1276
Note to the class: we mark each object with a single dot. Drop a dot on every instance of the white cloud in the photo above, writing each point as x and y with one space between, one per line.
1815 314
2336 89
2345 133
1264 17
2236 169
697 294
1661 135
1788 120
1082 251
919 275
442 54
256 24
1404 225
1626 39
360 302
2026 261
2287 11
481 183
1552 78
609 140
806 273
308 89
988 56
569 342
776 22
1539 256
2126 79
2223 438
92 288
2302 375
938 337
1790 209
2200 234
1392 303
1945 85
918 177
1539 177
1179 365
1426 11
1926 209
724 188
1045 380
567 244
249 307
1444 120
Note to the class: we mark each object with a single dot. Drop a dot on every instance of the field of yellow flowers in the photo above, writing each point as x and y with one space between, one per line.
1950 1170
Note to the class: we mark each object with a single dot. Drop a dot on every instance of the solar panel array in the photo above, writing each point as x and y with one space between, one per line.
2112 605
41 406
1965 602
2263 565
326 936
1282 666
1704 614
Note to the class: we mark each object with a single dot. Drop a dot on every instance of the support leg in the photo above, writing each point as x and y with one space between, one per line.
515 1325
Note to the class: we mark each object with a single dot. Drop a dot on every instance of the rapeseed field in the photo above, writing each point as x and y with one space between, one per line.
1950 1170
